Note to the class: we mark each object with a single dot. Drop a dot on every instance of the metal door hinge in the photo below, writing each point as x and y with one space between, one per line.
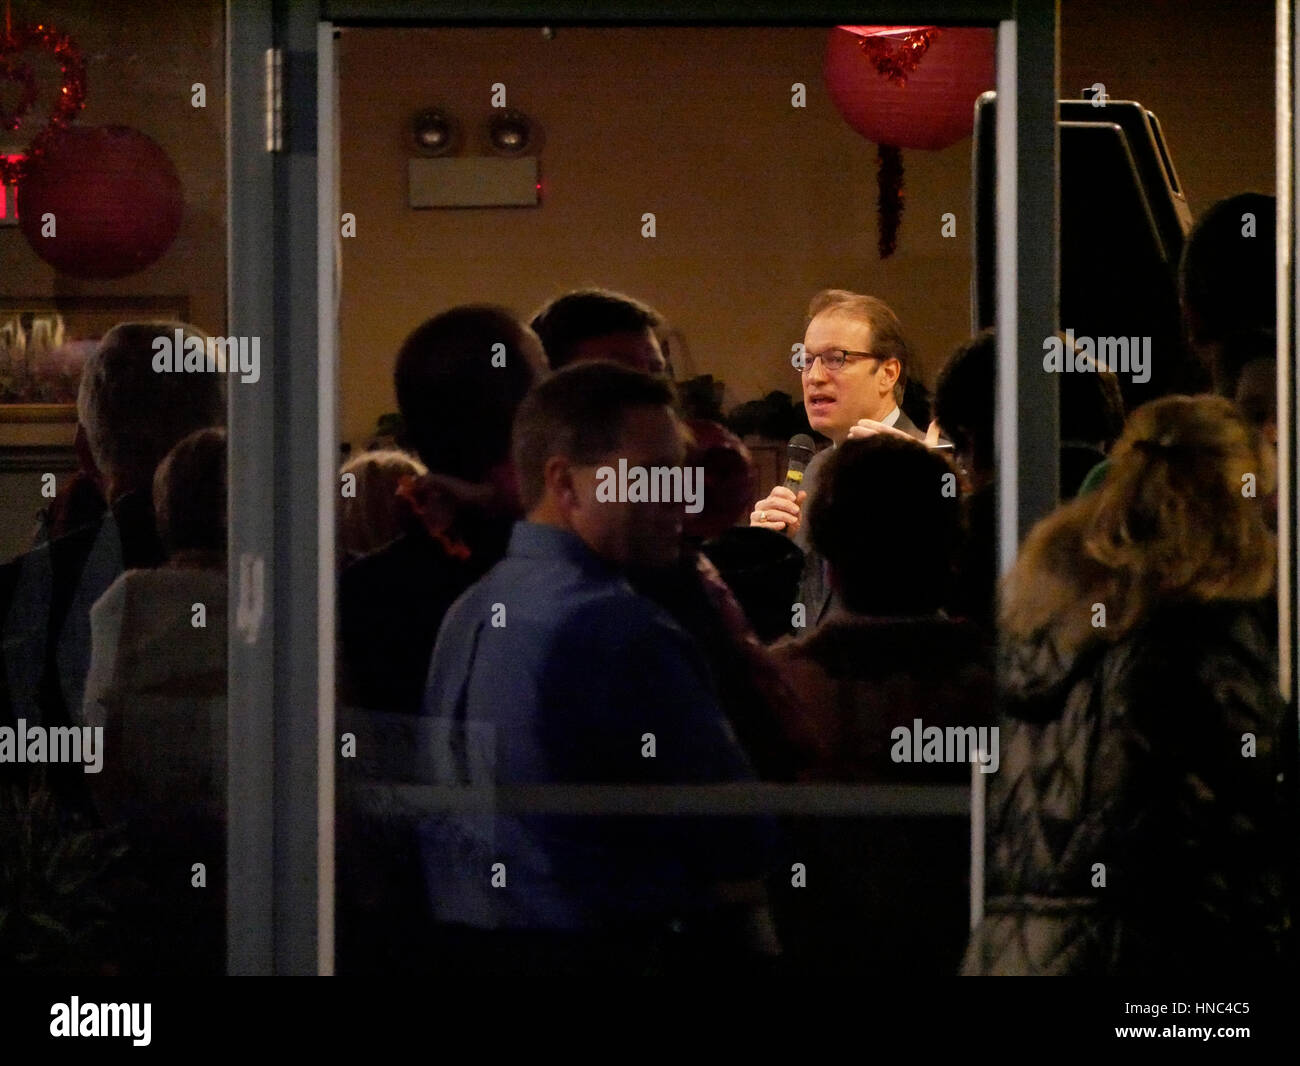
274 100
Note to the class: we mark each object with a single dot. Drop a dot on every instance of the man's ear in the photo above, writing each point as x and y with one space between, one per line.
890 370
557 475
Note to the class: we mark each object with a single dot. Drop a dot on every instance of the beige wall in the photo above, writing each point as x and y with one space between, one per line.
1205 67
758 204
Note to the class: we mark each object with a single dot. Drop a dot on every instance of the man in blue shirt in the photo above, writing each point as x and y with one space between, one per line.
551 669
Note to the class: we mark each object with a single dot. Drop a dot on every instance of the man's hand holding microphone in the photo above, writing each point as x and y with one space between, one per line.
780 509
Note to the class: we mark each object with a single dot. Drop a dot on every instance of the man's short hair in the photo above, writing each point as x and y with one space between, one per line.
189 493
578 412
908 569
1228 280
578 316
457 402
887 340
132 414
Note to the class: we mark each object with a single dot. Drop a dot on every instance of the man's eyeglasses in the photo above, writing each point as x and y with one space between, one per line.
833 359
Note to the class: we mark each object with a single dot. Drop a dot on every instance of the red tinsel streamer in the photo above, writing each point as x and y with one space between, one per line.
896 57
72 91
890 179
435 511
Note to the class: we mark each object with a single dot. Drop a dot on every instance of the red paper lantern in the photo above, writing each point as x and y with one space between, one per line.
115 196
906 86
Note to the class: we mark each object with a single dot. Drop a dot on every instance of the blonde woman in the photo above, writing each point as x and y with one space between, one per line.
1137 825
374 513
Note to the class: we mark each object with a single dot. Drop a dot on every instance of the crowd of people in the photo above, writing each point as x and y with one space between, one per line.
509 620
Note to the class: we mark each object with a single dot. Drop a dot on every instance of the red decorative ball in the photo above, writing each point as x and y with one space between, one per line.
910 87
115 196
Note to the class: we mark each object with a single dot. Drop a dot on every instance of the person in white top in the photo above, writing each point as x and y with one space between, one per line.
157 686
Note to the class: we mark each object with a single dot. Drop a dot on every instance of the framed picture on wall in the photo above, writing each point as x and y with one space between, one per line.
43 346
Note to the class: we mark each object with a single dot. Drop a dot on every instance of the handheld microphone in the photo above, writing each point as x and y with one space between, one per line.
799 454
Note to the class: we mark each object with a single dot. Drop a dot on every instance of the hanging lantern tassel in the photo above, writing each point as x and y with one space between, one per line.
890 178
907 87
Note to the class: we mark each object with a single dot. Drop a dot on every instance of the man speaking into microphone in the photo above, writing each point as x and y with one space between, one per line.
853 371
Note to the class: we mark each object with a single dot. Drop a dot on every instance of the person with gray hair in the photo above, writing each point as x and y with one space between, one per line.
128 417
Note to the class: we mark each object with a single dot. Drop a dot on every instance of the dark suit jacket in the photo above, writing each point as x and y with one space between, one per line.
908 426
814 587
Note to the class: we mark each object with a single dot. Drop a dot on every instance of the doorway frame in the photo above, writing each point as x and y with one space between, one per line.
283 288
